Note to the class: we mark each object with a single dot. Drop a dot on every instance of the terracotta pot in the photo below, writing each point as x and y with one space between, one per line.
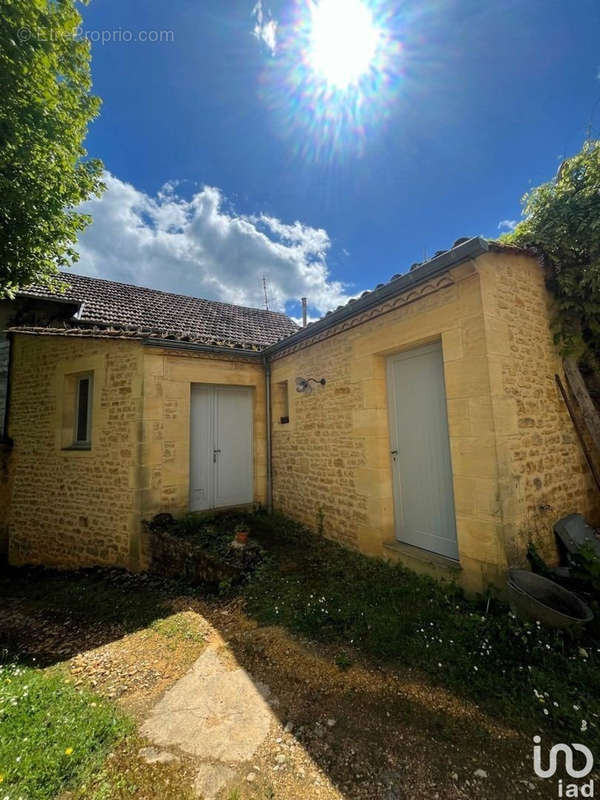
241 537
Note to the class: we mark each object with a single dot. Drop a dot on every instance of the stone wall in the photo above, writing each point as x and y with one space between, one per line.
4 366
331 462
75 507
165 452
318 458
517 463
5 464
543 474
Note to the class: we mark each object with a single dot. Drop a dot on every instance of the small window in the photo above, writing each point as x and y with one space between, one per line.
83 412
281 408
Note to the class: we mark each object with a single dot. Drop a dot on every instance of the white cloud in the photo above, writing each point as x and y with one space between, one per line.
265 27
197 247
508 224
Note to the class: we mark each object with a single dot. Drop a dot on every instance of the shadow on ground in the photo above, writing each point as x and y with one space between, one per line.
373 732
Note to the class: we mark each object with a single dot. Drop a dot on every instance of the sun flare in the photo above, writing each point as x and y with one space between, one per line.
339 69
343 40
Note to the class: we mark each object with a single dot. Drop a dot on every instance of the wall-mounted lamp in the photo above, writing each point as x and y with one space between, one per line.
303 384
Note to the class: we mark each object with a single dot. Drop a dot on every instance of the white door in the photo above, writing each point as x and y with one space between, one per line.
221 453
420 448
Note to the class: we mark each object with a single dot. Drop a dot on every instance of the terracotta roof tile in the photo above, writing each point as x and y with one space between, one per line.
150 312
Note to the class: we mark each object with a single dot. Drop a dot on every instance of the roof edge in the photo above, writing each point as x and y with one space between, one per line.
176 344
471 249
65 276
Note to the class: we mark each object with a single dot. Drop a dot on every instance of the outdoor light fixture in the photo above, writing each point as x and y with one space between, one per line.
303 384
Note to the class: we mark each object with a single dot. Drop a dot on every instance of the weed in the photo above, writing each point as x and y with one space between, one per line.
126 775
320 521
178 626
343 661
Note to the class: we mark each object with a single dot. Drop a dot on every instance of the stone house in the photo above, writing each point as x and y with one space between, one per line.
431 430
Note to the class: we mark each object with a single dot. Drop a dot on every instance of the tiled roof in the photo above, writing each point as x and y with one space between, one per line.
112 307
416 269
463 249
120 310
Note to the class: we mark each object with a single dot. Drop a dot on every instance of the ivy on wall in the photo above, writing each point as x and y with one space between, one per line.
561 220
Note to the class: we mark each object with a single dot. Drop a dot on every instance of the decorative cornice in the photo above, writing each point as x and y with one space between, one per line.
222 352
210 354
418 275
411 296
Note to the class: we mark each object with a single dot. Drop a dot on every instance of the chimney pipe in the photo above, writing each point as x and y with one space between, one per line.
304 312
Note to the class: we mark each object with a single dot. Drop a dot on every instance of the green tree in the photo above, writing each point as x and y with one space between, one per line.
562 221
45 110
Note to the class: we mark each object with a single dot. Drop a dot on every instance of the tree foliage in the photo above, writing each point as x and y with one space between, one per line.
45 110
562 221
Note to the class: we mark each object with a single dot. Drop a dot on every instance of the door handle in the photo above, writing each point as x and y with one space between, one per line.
215 456
394 452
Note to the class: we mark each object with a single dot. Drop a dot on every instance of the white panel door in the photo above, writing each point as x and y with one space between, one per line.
420 448
201 447
233 437
221 455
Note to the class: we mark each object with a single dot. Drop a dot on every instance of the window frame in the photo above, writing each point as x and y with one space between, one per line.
83 444
281 398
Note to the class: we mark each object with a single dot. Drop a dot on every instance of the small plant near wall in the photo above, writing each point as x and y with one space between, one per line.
203 548
241 534
320 520
586 567
562 221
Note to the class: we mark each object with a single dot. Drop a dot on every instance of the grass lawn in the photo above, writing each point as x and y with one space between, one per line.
537 679
52 735
55 735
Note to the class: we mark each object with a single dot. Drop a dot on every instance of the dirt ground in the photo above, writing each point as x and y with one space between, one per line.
360 733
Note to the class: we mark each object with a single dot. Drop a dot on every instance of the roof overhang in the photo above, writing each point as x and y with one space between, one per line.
177 344
467 251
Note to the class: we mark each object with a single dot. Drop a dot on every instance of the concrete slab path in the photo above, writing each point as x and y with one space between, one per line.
216 714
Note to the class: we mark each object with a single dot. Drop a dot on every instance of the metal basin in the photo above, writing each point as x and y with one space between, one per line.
536 598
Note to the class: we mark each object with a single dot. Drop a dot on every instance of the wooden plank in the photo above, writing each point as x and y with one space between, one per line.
585 403
579 432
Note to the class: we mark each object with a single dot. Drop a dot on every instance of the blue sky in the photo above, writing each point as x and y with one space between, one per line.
221 171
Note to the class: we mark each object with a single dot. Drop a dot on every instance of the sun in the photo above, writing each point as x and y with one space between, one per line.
343 41
339 70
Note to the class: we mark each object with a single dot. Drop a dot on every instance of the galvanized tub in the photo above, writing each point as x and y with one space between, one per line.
536 598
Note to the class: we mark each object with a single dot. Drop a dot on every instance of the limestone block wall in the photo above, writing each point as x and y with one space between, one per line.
331 462
165 445
4 368
517 464
5 465
319 460
73 508
542 472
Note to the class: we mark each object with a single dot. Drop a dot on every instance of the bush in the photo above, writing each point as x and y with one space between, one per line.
562 221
